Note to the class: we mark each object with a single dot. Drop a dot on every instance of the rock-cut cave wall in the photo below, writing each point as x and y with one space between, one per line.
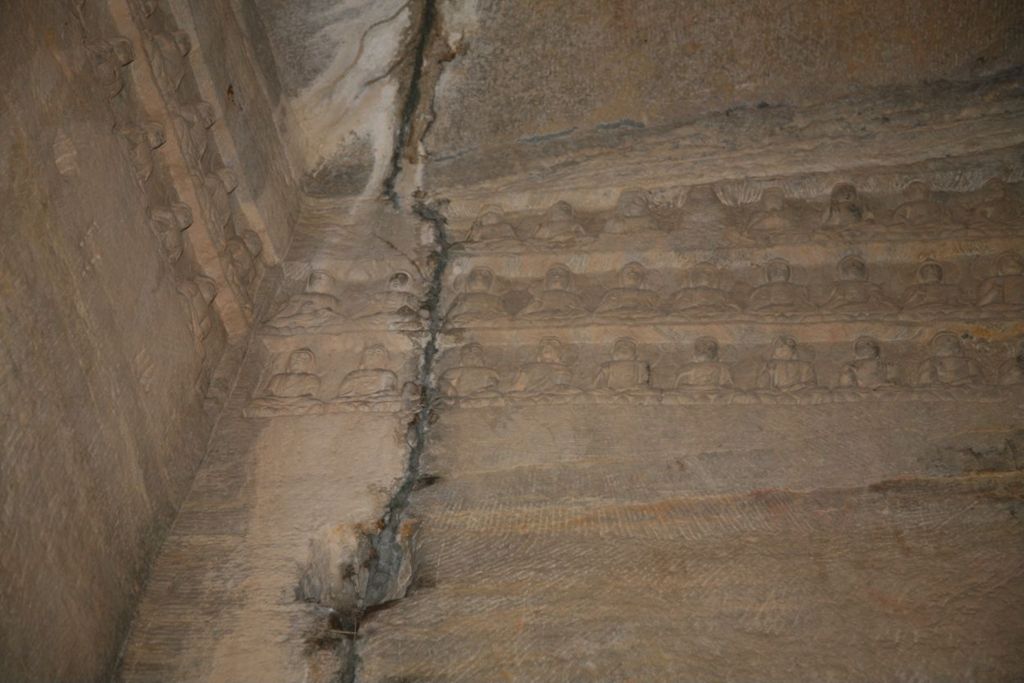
143 209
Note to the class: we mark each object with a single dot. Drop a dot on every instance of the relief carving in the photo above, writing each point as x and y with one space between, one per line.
491 228
199 294
299 380
548 373
631 299
372 380
931 294
142 140
192 126
785 370
846 208
1006 288
778 294
241 254
867 370
771 218
704 294
556 300
477 301
169 223
632 214
948 364
168 53
316 305
919 208
996 206
397 299
705 371
107 59
559 226
852 293
703 210
214 195
625 371
471 377
1012 371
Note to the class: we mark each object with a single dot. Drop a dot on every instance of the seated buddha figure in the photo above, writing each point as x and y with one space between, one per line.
705 371
1006 288
630 299
547 374
770 218
703 295
947 364
491 226
372 380
624 372
845 207
398 298
853 293
559 225
703 210
996 205
315 305
556 300
471 377
1012 371
867 370
930 292
778 294
632 214
477 301
918 207
784 370
299 380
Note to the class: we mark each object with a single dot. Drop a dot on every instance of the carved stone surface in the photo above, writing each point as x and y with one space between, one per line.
629 349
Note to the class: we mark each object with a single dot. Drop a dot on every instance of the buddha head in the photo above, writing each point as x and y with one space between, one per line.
929 273
238 254
399 282
632 204
866 348
319 282
491 215
777 270
844 195
772 199
632 275
704 274
784 348
480 280
558 278
705 349
1010 263
945 344
375 357
917 191
549 350
301 362
560 212
852 269
624 348
472 355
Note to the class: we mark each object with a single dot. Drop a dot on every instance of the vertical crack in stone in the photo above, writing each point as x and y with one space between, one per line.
430 52
388 551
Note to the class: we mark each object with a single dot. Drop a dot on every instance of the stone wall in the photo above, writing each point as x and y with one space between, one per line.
137 244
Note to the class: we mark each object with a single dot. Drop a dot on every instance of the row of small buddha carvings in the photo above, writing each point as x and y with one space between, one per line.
703 294
552 374
847 213
323 304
